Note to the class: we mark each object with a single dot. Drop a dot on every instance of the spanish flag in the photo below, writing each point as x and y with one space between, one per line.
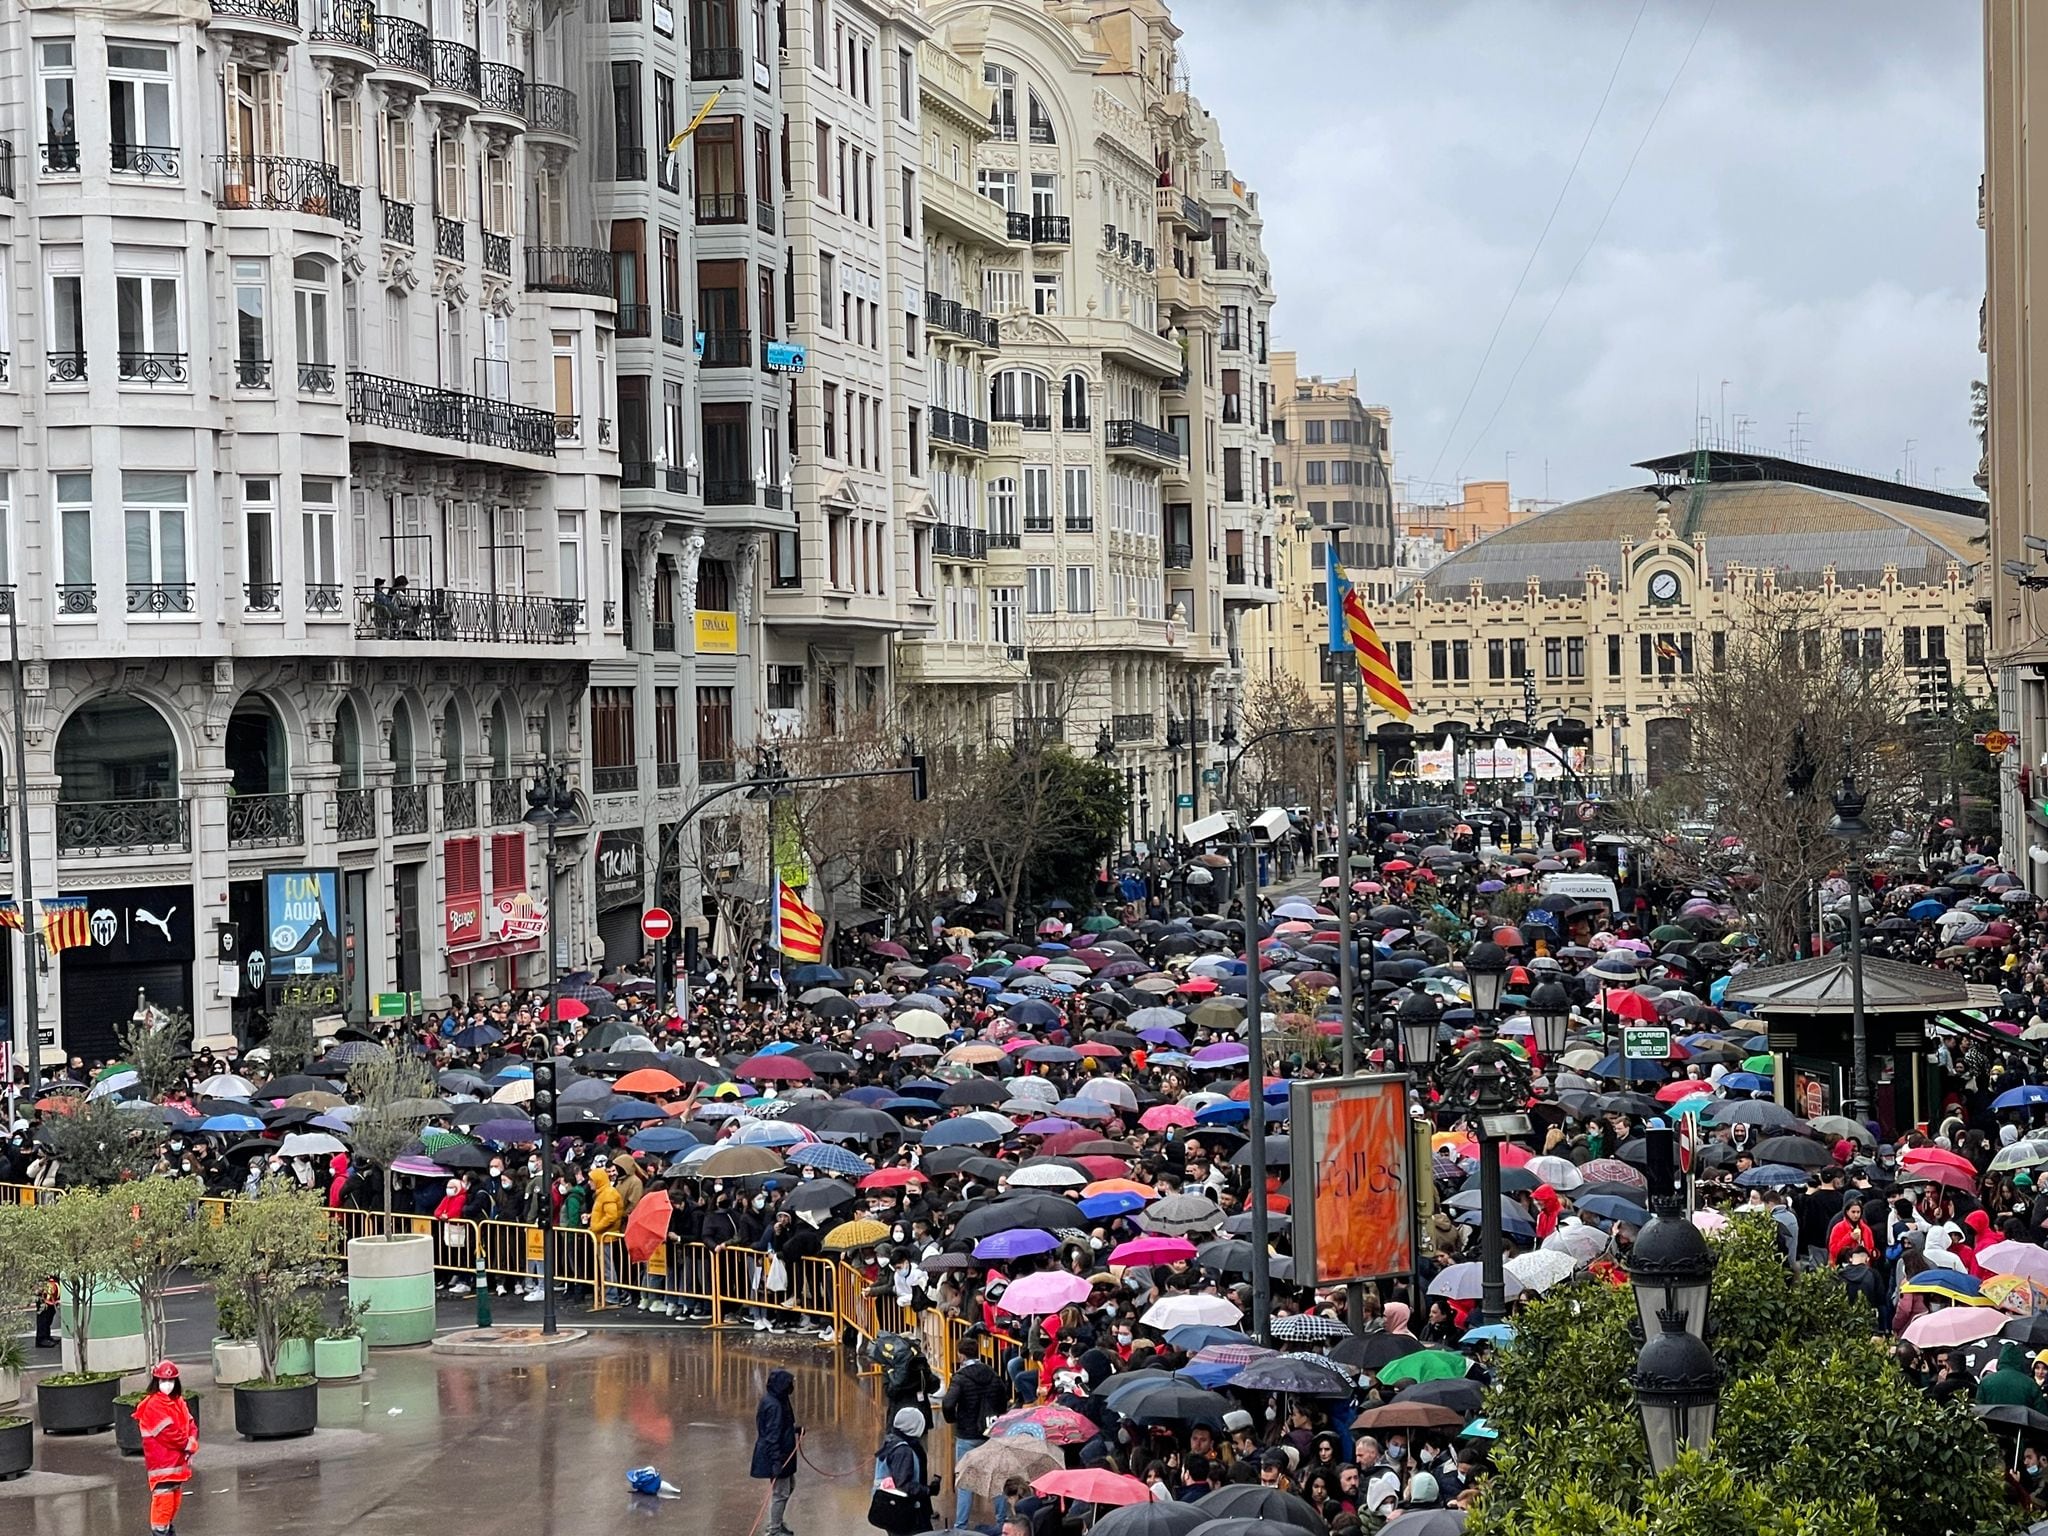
801 931
1351 629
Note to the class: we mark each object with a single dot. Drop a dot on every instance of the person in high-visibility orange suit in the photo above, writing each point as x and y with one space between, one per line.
170 1439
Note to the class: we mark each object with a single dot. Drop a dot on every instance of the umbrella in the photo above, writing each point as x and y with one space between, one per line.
310 1144
1253 1501
736 1160
1540 1270
1462 1282
647 1227
1308 1328
986 1468
1172 1402
827 1157
1294 1373
1182 1215
1953 1327
1375 1349
2010 1258
855 1234
1426 1522
1058 1424
1426 1365
1017 1243
1151 1250
1252 1526
1150 1519
1093 1485
1042 1294
1173 1311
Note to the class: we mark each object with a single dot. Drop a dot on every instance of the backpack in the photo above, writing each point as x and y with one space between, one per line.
899 1360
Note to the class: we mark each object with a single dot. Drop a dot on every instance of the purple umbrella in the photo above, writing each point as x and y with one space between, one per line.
1019 1243
1224 1053
1048 1126
419 1167
1160 1035
506 1130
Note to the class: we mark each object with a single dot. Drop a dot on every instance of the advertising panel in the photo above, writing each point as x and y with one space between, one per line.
1352 1178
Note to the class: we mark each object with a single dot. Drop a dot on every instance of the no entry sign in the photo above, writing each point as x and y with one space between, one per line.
656 923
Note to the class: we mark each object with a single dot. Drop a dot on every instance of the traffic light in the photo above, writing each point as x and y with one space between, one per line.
920 786
544 1096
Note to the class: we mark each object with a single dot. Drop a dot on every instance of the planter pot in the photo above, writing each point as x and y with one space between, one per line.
77 1408
116 1344
10 1388
338 1359
235 1361
295 1357
128 1434
17 1449
276 1413
392 1278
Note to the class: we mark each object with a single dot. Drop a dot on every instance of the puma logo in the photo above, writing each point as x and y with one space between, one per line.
161 924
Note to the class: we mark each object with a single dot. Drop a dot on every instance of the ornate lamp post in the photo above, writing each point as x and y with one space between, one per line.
1677 1381
550 803
1550 1015
1490 1083
1847 824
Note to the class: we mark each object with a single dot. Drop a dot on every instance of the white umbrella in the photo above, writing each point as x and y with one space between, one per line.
1540 1270
226 1085
1048 1176
310 1144
1175 1311
1114 1090
1032 1088
1561 1174
115 1082
1579 1241
518 1091
919 1024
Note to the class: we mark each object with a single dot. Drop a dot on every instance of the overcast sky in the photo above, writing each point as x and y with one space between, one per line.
1801 221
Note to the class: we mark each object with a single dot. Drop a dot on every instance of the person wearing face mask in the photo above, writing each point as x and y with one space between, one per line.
608 1219
533 1208
452 1209
170 1439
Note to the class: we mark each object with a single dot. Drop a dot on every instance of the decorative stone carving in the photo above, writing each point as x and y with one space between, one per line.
693 556
35 683
220 699
743 586
647 553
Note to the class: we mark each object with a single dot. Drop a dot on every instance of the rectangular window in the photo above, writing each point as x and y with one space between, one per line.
1646 655
1002 511
830 417
909 203
1973 645
1038 595
1461 661
1045 293
259 544
1080 589
1439 661
1496 660
669 172
252 331
611 727
1038 498
629 146
60 117
151 328
345 136
1873 648
1575 657
1404 659
1080 500
569 555
1911 639
714 726
1719 649
395 152
668 740
1937 643
1614 656
310 299
67 324
1553 656
139 108
1312 432
153 520
1518 659
74 520
317 534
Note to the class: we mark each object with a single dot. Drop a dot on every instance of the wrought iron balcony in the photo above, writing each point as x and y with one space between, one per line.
316 378
1074 421
721 207
278 13
450 238
636 474
123 826
675 329
352 23
551 109
158 160
1195 216
323 597
568 429
282 184
717 63
6 167
953 542
458 803
441 615
456 67
404 406
1131 727
77 598
60 157
715 770
1004 538
508 802
615 780
1142 436
1029 421
727 349
265 821
397 221
497 253
668 775
355 815
664 634
635 320
408 810
569 269
403 44
1051 229
157 598
1180 557
262 597
1233 410
675 481
728 493
252 373
67 367
504 89
1018 226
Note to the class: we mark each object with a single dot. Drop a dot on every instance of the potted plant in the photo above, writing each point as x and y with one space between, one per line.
161 1237
338 1353
23 1267
269 1252
13 1361
236 1358
302 1320
391 1274
82 1234
17 1446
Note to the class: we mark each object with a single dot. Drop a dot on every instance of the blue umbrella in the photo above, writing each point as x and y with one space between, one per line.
960 1133
1523 1230
231 1123
1191 1337
1018 1243
475 1035
816 976
1637 1067
1051 1056
1101 1207
1614 1208
827 1158
627 1110
1771 1176
1925 909
986 983
1033 1011
1491 1333
1210 1373
1746 1082
2023 1097
662 1140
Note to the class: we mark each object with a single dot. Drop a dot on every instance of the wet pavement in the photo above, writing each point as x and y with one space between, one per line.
432 1446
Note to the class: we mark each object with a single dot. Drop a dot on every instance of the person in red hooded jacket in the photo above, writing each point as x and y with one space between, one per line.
1549 1206
337 1179
1850 1231
170 1439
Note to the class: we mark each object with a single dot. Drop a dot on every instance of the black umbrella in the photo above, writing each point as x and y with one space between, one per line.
1253 1501
1462 1395
1253 1526
820 1195
1291 1373
1150 1519
1172 1402
975 1091
828 1063
1044 1212
1229 1255
1278 1153
1796 1151
1375 1349
296 1082
2030 1331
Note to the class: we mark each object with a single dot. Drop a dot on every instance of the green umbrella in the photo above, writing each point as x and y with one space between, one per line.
1101 922
434 1140
1426 1365
110 1069
1763 1063
1671 933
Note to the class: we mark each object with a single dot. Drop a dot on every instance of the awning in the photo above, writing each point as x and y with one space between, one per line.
476 954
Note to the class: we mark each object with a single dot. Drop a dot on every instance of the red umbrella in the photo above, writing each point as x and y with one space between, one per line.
1095 1485
1061 1425
892 1178
1197 986
1096 1048
1396 867
1104 1166
773 1069
1061 1141
1631 1005
568 1008
1512 1153
1921 1159
1508 937
647 1227
888 947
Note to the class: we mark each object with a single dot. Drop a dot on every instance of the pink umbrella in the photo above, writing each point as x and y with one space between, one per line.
1160 1116
1032 962
1043 1294
1152 1250
2015 1259
1953 1327
1093 1485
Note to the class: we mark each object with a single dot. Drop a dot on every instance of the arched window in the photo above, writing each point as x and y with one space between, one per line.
501 742
1074 402
1041 121
256 750
1020 396
116 748
348 745
398 745
451 743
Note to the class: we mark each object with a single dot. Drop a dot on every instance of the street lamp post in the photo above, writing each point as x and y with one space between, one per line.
1677 1381
1847 824
1255 1018
551 804
1490 1083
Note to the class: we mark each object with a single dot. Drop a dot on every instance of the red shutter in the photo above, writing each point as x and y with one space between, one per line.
462 904
461 861
508 862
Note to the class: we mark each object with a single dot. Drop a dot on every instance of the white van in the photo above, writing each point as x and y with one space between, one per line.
1583 888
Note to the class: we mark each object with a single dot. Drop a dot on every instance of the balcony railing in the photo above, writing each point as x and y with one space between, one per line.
159 160
282 184
1075 421
952 541
157 598
668 775
443 614
352 23
153 368
6 167
457 67
408 810
1130 727
355 815
635 319
727 349
403 44
498 253
551 109
629 163
728 493
252 373
458 803
569 269
1180 557
715 770
323 597
123 826
75 599
1004 538
636 474
721 207
615 780
397 221
717 63
451 238
675 328
1018 225
67 367
1051 229
1027 420
508 802
764 216
278 13
262 597
1195 216
960 429
664 634
504 89
265 821
1142 435
403 406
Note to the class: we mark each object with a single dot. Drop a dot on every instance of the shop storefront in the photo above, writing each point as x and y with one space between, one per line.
621 894
138 947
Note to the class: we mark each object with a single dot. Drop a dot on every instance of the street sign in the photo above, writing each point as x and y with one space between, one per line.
1995 742
393 1005
1212 777
1471 786
656 923
1184 801
1646 1044
1688 1141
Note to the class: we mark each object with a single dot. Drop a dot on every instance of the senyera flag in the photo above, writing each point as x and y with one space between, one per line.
1351 630
801 931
